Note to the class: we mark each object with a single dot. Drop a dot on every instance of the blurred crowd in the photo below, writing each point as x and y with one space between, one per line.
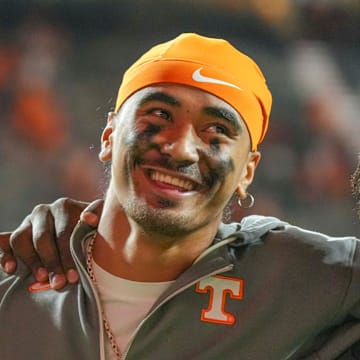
40 156
59 76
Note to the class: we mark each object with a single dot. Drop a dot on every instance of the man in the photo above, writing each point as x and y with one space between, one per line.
165 277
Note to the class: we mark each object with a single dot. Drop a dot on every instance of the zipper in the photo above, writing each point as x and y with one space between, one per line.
218 271
95 294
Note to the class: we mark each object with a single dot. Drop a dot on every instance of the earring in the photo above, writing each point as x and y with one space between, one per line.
249 203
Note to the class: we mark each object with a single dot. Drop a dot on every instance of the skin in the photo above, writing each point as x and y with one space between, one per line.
177 156
46 251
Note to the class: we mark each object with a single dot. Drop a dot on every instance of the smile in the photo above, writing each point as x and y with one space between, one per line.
183 184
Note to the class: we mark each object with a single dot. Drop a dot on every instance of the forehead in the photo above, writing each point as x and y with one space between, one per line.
184 94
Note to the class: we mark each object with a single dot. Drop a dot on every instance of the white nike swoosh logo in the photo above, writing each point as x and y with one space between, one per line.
196 76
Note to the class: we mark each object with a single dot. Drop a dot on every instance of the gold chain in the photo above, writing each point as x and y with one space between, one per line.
90 270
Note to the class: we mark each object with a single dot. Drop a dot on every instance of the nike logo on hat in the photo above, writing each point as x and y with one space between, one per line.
198 77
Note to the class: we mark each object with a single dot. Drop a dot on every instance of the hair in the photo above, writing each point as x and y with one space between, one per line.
355 186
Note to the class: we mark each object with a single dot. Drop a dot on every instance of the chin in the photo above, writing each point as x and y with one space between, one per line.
164 221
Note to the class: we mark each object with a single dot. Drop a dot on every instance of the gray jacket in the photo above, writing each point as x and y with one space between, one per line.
264 290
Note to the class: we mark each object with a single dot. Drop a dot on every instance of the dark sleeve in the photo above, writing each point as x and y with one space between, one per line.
353 353
342 341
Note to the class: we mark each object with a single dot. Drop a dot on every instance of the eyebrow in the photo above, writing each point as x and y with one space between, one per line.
225 114
162 97
217 112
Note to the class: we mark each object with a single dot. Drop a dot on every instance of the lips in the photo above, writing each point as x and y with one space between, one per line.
182 184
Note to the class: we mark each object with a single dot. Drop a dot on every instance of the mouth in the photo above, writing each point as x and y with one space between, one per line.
171 181
184 185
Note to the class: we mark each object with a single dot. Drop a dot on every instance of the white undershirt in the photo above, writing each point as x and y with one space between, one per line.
125 304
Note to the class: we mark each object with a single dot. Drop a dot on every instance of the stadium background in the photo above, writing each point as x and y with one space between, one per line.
61 63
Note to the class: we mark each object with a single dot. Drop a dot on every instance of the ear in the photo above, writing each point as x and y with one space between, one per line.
248 173
106 139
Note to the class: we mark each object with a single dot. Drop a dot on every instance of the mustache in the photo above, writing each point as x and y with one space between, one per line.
191 170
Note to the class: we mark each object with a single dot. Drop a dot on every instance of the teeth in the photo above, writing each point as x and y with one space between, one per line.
167 179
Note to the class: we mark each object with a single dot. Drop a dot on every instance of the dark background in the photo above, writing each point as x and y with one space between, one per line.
61 63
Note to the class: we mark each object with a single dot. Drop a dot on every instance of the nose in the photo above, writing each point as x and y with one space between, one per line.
182 145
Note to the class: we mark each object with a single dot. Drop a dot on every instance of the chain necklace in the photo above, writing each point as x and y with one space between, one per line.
90 270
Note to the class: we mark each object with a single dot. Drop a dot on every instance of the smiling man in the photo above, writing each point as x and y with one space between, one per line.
178 154
162 277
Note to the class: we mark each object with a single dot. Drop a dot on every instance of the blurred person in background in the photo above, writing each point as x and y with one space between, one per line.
36 124
161 266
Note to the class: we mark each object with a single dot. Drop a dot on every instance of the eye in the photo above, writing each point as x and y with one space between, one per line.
218 129
161 113
153 120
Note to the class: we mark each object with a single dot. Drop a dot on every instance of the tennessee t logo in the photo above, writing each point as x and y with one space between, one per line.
219 287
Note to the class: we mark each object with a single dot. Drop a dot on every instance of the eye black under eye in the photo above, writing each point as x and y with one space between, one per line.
151 129
215 144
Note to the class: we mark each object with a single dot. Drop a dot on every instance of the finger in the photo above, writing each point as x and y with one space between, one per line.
45 243
7 260
92 213
66 215
63 243
22 246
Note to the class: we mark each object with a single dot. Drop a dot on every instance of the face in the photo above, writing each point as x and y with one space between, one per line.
355 183
178 154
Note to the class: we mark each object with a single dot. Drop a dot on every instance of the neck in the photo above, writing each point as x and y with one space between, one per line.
126 250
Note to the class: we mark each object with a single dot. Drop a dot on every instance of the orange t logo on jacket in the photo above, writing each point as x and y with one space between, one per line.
219 288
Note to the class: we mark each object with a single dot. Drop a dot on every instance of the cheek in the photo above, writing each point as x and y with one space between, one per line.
138 143
124 148
128 136
220 165
225 165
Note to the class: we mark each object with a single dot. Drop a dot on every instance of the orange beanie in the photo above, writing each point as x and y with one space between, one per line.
209 64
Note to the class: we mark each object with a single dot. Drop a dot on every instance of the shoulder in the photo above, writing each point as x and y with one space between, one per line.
274 230
329 265
301 263
278 241
336 250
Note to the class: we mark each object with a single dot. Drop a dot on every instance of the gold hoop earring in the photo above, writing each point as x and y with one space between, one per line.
250 201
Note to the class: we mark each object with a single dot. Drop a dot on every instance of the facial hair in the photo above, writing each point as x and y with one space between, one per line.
166 219
157 220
